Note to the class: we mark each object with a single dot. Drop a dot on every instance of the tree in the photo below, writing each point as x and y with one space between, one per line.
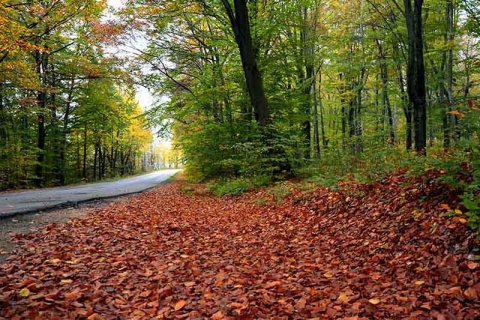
239 20
416 72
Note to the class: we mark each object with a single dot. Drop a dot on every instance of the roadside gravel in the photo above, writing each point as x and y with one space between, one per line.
26 223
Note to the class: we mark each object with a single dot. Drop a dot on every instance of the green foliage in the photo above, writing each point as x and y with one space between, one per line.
219 151
470 202
233 187
237 186
280 190
187 189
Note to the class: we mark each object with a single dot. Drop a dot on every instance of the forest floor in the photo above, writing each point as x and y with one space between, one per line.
31 222
394 249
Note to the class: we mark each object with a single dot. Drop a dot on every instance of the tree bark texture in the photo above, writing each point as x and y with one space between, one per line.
416 73
240 23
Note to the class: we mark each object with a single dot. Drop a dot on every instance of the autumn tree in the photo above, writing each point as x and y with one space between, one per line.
54 50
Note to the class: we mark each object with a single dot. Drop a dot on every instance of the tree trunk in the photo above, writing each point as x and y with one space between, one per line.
3 131
316 130
450 36
41 63
406 106
416 73
241 28
84 171
385 96
65 131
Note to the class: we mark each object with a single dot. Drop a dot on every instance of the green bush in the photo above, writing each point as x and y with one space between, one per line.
232 187
242 150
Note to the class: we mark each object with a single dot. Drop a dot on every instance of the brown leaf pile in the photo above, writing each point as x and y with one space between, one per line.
375 251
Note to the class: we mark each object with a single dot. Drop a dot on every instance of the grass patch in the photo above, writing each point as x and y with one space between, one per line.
237 186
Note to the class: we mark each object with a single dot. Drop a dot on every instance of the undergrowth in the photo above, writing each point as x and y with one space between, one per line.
459 168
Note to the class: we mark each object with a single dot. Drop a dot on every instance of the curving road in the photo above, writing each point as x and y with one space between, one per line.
12 203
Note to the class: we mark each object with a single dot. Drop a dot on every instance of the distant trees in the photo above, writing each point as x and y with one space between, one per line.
55 84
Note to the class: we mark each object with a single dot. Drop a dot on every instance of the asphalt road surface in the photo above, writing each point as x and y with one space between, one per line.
12 203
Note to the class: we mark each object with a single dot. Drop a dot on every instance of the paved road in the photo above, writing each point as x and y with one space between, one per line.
12 203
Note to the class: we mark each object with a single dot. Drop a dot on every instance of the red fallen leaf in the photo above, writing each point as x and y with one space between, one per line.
473 265
26 282
236 305
145 294
179 305
148 273
217 315
150 312
331 312
300 305
438 315
356 306
153 304
455 290
196 272
72 295
426 305
375 276
78 305
445 206
272 284
470 294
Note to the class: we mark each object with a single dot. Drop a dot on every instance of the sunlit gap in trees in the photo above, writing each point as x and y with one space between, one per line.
129 50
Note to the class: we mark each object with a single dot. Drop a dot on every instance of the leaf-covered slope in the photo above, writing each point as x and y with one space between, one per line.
378 251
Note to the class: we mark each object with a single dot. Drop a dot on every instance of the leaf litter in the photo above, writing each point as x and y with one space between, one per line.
384 250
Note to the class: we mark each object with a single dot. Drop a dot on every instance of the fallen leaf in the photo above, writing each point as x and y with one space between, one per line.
217 315
445 206
272 284
470 294
24 292
300 305
374 301
179 305
343 298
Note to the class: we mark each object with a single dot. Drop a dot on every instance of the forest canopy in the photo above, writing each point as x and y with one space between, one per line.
261 87
244 88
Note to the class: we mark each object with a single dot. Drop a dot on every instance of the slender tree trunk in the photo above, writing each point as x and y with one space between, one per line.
406 106
450 36
84 171
307 79
316 129
41 64
95 157
385 97
3 131
65 130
